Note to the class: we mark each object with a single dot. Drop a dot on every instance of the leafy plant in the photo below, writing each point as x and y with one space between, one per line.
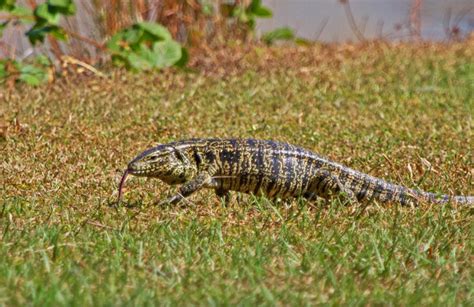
45 19
249 14
7 5
284 33
32 72
144 46
16 12
141 46
47 16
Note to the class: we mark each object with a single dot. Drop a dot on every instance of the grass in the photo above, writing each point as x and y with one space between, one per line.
401 112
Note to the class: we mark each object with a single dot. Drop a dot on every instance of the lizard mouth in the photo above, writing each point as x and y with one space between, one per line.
122 183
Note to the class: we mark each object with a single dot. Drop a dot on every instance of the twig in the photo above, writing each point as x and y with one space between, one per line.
69 59
352 23
322 25
415 19
80 37
380 25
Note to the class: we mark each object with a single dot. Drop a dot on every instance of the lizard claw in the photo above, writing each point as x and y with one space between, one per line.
170 201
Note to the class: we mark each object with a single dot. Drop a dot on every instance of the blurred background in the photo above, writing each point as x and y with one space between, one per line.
148 34
330 20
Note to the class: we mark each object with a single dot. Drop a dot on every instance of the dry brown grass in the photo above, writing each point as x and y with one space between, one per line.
388 110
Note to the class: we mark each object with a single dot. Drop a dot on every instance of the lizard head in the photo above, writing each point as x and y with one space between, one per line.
165 162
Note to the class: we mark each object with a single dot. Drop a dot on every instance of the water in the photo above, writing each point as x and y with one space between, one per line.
326 20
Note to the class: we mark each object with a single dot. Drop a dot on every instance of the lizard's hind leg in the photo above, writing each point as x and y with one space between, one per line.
224 195
327 185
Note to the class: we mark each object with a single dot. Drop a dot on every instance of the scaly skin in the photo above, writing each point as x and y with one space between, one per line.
271 168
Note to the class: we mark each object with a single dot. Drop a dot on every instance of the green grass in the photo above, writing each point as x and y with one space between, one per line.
386 110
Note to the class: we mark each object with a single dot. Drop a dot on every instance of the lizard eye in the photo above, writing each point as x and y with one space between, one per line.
153 158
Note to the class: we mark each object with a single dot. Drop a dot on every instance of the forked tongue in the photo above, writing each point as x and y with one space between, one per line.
122 182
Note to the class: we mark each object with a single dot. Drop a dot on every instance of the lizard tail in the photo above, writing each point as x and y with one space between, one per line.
444 199
371 187
464 200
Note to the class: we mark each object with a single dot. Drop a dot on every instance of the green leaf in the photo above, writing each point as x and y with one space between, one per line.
254 4
58 33
284 33
114 43
143 59
137 62
60 3
42 11
167 53
65 7
155 29
251 12
164 54
184 58
23 13
38 34
262 12
300 41
7 5
256 8
32 75
131 47
133 35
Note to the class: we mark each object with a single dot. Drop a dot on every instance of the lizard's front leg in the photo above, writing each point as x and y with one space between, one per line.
200 181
